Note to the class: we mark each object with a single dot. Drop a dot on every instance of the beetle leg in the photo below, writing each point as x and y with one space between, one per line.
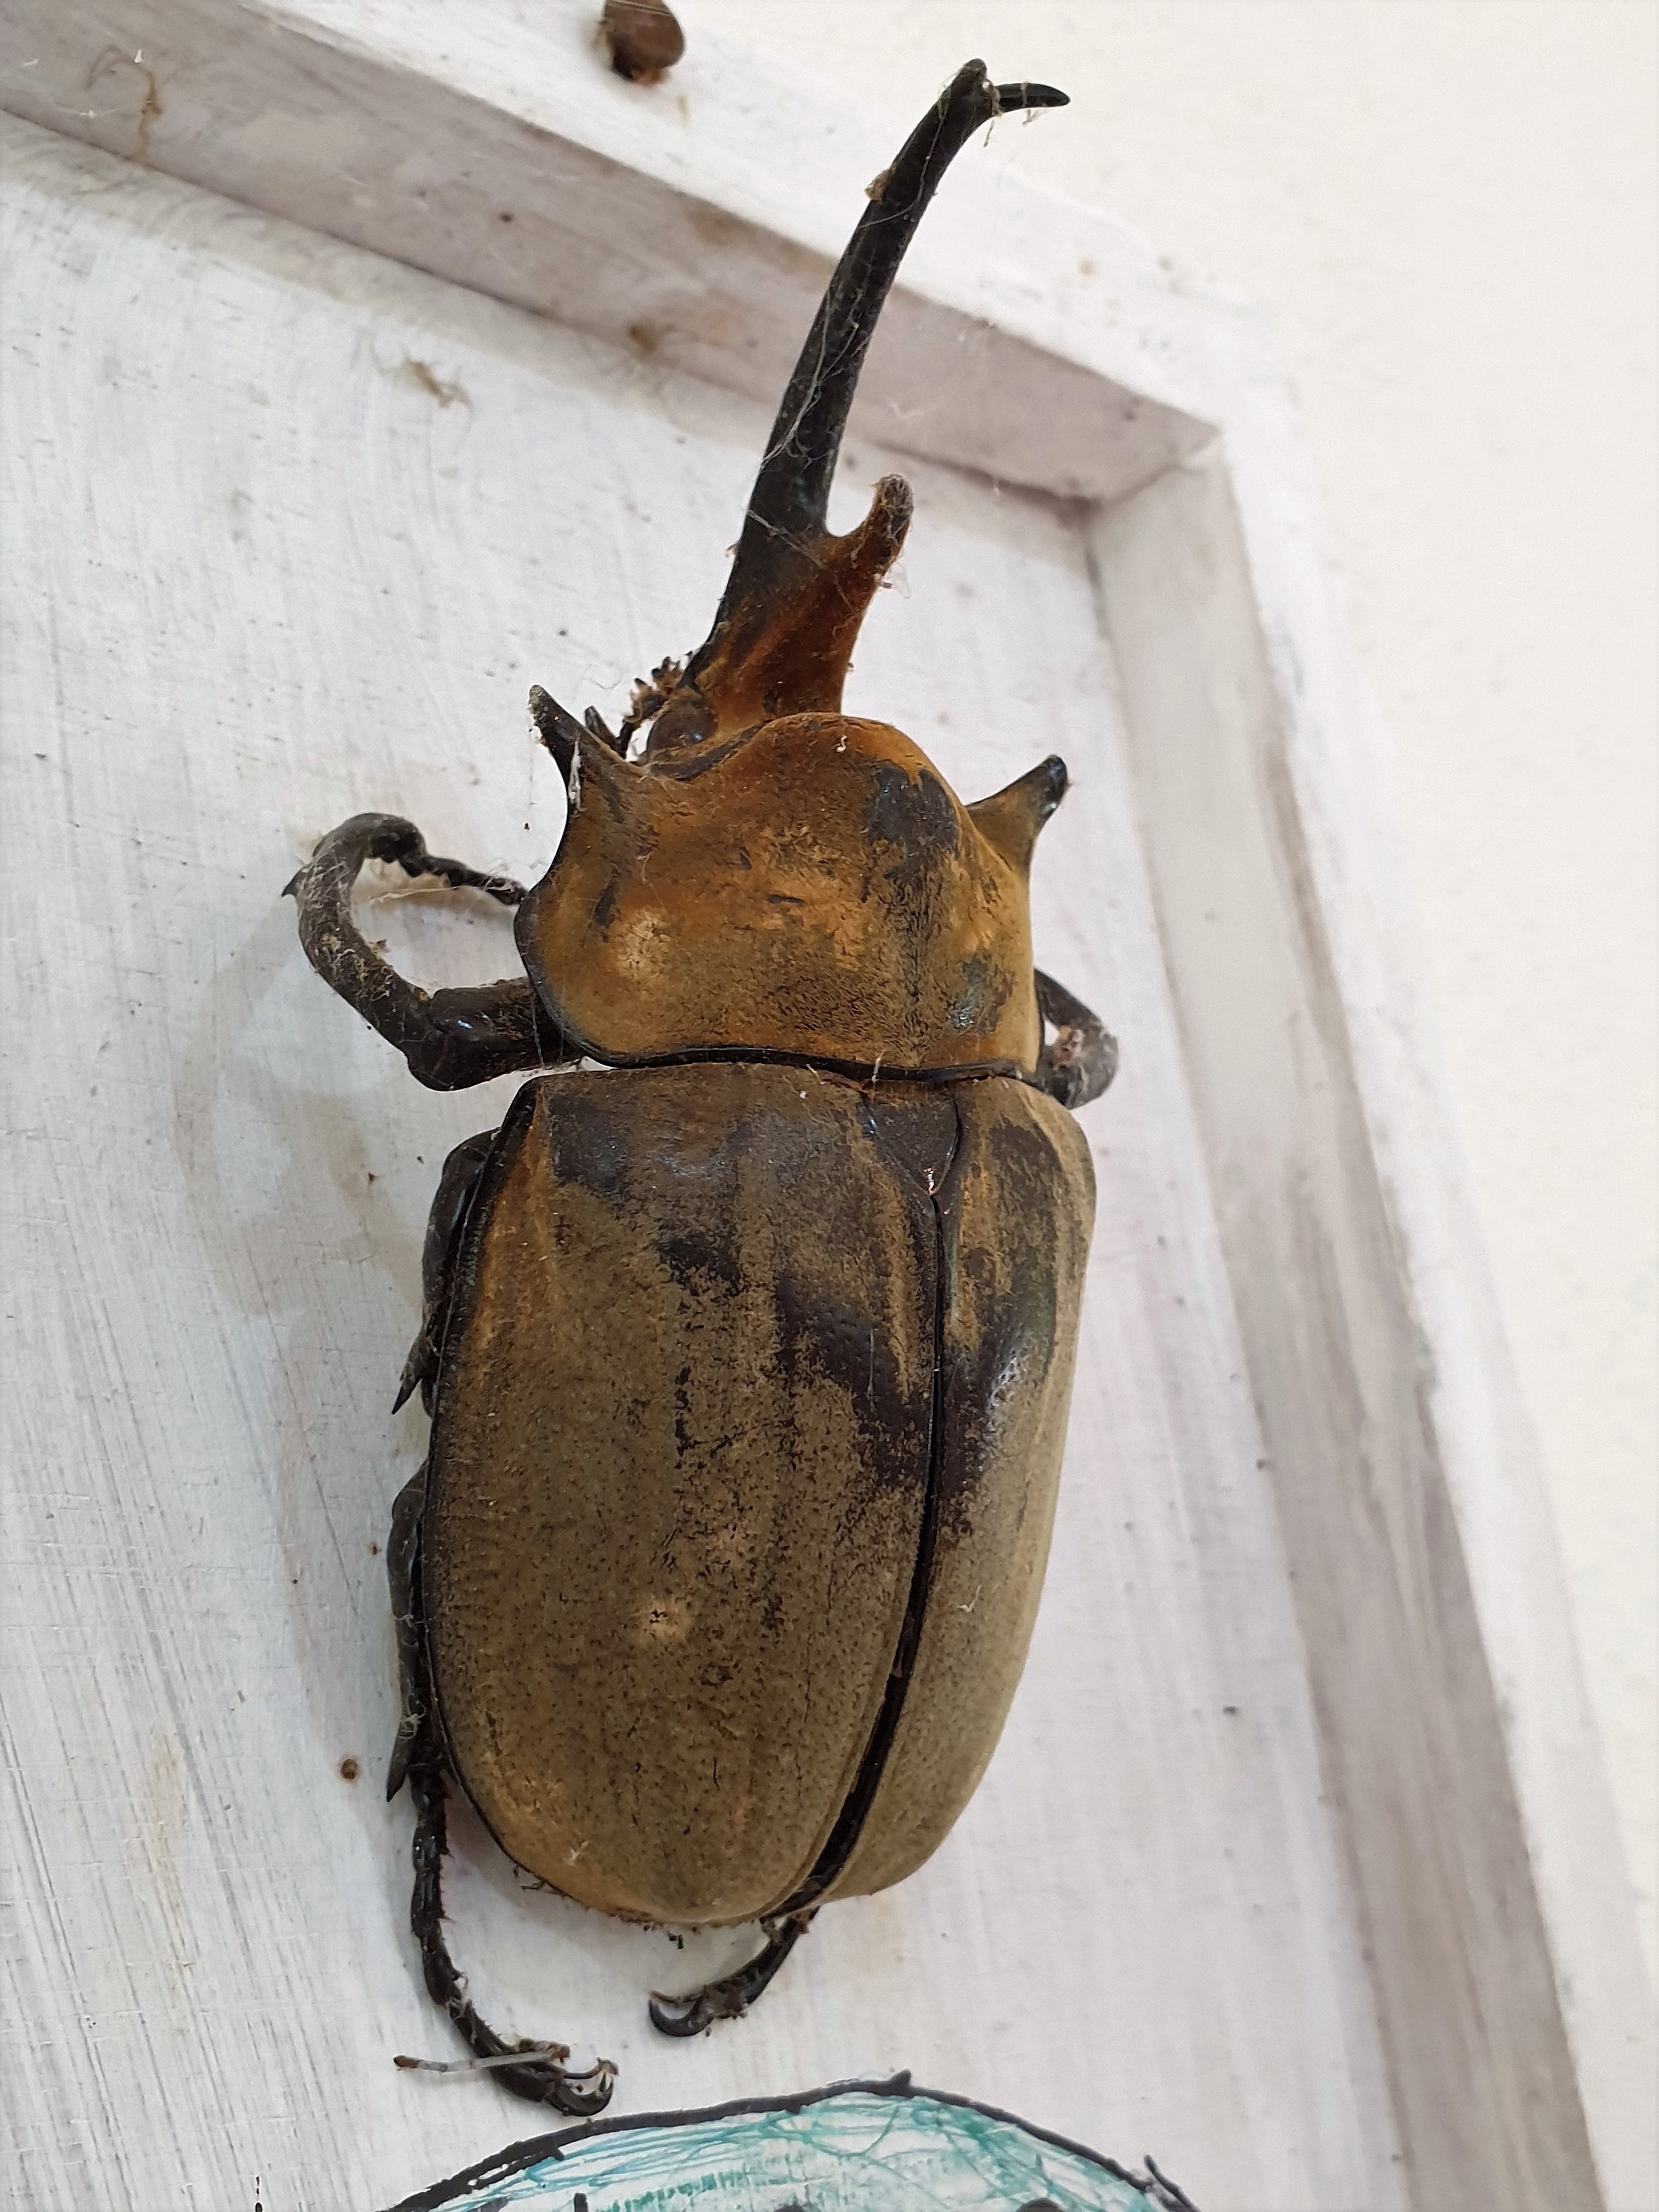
532 2070
462 1169
729 1999
1083 1058
535 2070
402 1566
450 1038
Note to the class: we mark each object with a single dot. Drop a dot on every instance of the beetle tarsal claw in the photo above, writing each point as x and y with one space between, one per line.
576 2093
680 2015
731 1998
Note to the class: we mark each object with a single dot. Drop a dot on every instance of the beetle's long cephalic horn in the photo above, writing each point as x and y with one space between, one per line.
796 595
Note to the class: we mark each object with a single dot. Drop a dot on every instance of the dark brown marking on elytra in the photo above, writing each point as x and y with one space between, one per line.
818 1340
702 1256
844 1836
590 1148
1015 1314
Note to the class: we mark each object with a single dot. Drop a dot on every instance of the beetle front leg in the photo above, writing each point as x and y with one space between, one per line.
450 1038
1083 1058
730 1998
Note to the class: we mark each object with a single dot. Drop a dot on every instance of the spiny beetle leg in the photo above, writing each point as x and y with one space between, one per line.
729 1999
450 1038
417 1757
540 2078
402 1567
444 1223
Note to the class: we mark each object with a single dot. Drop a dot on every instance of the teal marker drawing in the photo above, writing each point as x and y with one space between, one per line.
840 2149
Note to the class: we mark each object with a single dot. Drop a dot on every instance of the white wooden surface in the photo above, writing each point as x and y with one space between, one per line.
281 577
381 122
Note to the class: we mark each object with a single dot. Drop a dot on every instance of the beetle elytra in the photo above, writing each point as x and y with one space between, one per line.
748 1350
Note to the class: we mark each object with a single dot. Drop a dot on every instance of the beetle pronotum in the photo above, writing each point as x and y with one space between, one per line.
726 1626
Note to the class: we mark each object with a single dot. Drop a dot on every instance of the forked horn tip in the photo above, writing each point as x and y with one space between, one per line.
888 523
973 81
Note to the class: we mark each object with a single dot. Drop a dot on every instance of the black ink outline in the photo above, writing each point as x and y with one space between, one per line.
1162 2194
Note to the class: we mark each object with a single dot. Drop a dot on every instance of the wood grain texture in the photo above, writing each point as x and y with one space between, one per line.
299 527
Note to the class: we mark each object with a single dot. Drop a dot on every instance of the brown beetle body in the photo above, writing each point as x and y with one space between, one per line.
748 1352
746 1370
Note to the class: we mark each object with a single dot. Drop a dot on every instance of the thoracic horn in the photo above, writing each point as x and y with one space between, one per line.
785 627
1011 818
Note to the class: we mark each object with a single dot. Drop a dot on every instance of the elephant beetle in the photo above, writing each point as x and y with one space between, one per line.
748 1342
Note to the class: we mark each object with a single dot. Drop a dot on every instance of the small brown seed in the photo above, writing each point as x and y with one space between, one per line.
349 1770
644 38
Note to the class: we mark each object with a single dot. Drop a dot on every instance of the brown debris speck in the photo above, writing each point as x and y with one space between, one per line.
435 387
643 38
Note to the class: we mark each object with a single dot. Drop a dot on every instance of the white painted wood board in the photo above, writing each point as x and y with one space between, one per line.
1040 345
300 527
